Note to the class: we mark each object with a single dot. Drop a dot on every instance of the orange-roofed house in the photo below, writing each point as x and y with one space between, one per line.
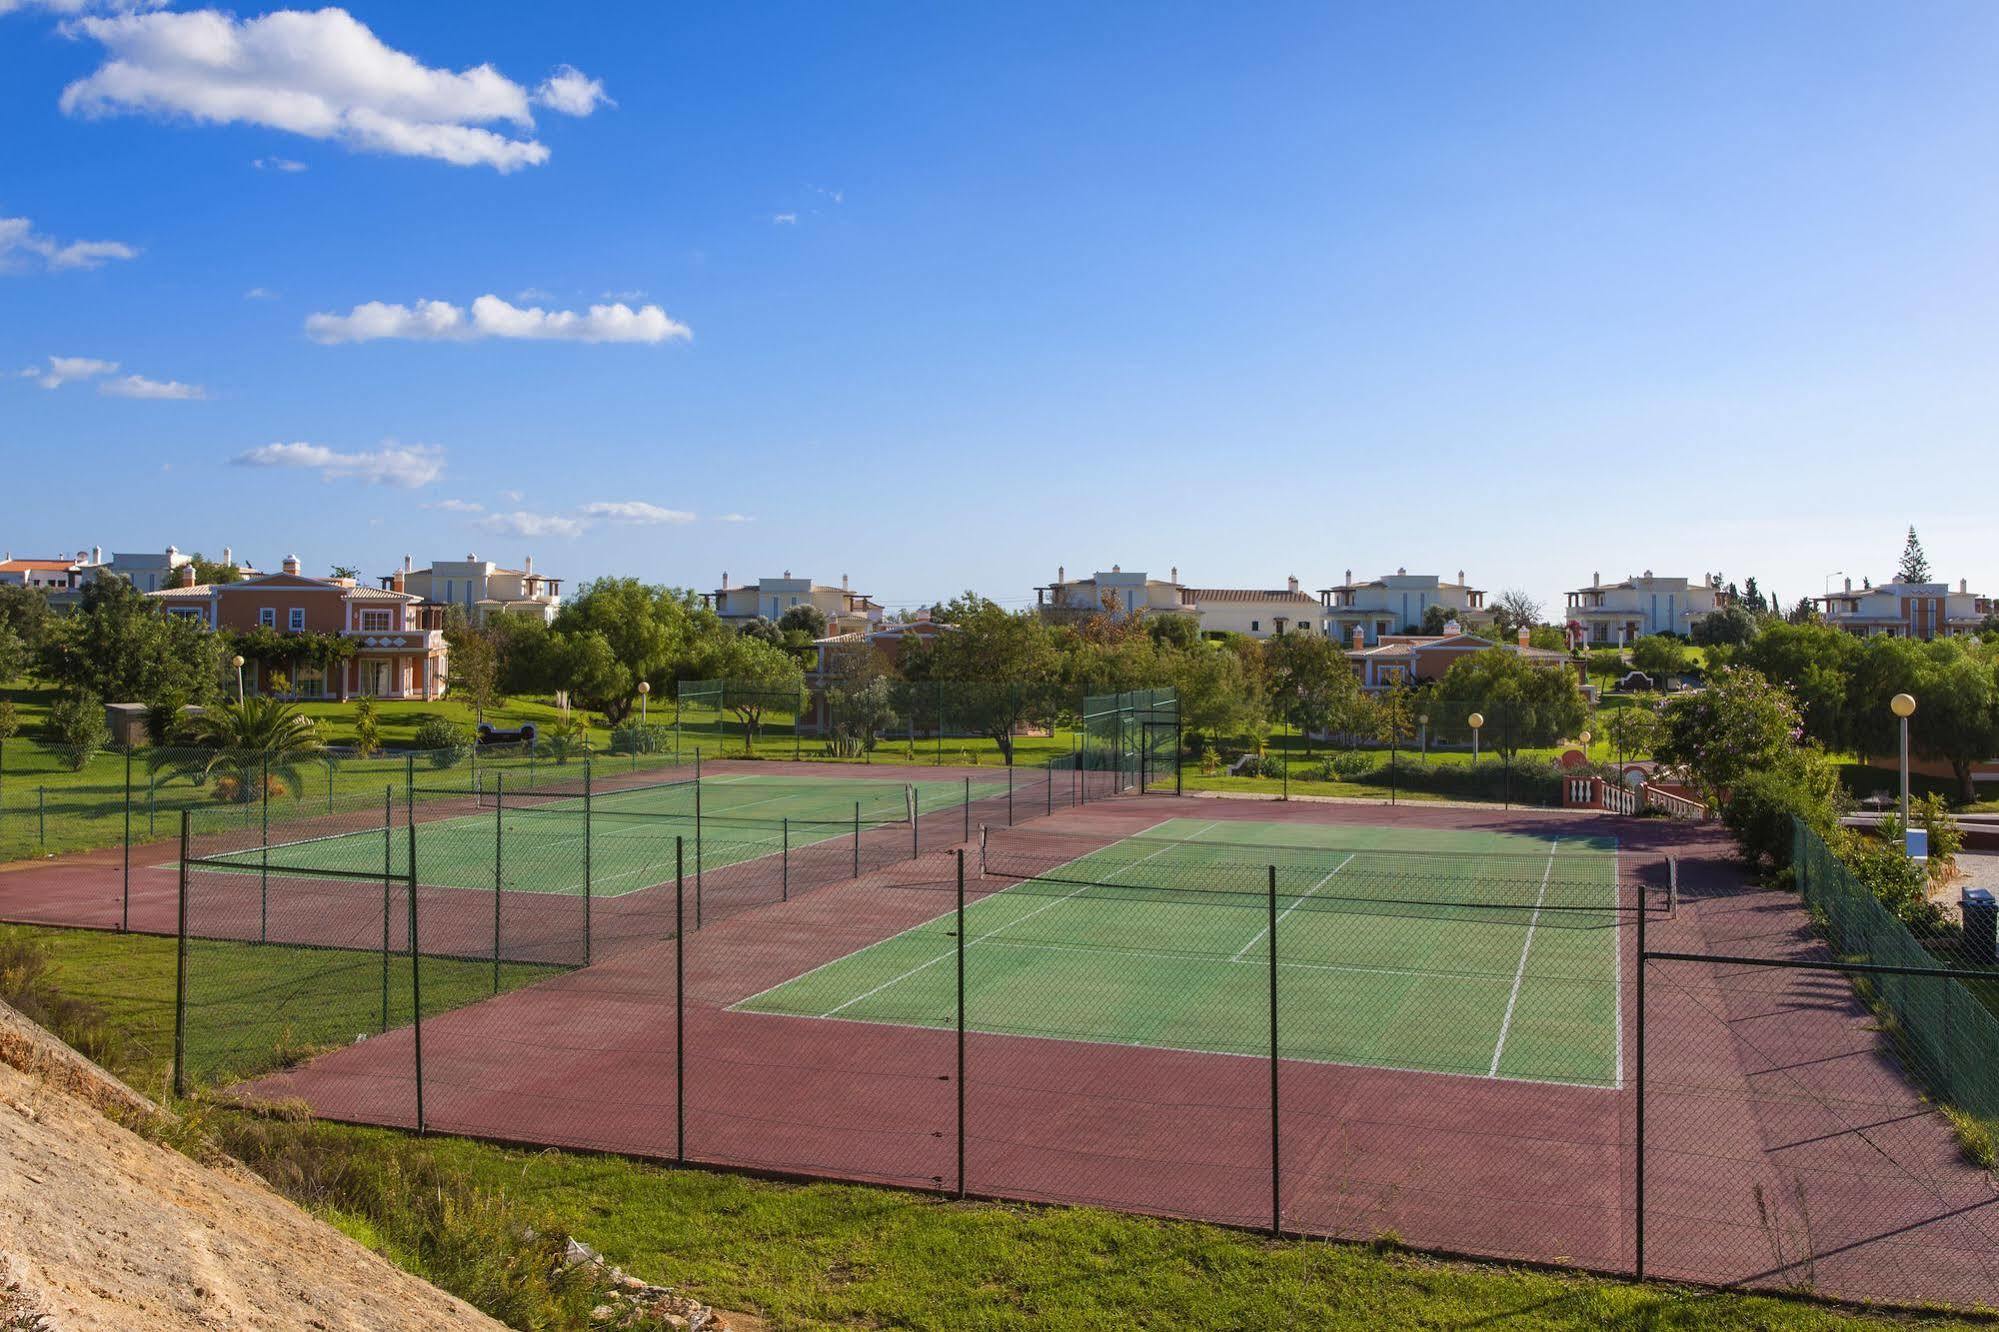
399 648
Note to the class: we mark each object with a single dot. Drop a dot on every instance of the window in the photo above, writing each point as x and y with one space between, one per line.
296 621
267 617
1256 626
374 621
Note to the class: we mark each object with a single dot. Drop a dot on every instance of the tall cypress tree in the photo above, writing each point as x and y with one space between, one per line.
1915 566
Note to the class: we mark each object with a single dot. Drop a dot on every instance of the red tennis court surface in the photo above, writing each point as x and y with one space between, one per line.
1785 1146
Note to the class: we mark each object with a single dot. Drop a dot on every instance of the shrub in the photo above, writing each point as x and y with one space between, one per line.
1883 868
446 741
76 728
1761 805
367 727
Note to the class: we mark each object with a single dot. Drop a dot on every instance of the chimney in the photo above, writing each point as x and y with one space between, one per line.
725 580
229 555
1061 573
1596 579
1452 629
1359 638
787 573
1174 574
1963 586
1291 583
187 575
845 586
1525 632
397 581
527 565
1461 578
1401 569
1849 584
290 565
1349 578
471 558
96 554
408 564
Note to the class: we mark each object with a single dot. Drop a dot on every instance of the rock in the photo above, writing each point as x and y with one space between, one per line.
603 1313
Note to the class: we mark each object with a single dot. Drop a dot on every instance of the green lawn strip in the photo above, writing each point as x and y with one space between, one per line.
1177 960
817 1257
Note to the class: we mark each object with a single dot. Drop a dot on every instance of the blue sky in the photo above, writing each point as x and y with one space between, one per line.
945 296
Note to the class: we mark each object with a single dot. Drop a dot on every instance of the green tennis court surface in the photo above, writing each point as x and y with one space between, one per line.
1484 954
539 841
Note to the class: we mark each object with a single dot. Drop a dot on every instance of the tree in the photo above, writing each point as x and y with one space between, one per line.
860 702
763 630
25 614
1915 565
1173 630
250 746
1311 683
75 727
1515 610
759 677
367 727
1659 655
1548 638
1435 617
1957 708
474 671
1001 669
120 645
1217 692
14 655
1811 660
1632 730
1733 625
1741 723
213 571
1525 706
345 571
620 631
10 726
804 618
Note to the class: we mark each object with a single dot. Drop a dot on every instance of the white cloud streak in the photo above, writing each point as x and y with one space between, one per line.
67 369
493 317
407 466
277 164
522 523
784 219
735 518
322 74
138 386
72 8
457 506
21 247
636 511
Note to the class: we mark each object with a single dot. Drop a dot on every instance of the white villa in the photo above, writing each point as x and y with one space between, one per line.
1619 614
1396 603
1905 610
481 587
846 610
1256 612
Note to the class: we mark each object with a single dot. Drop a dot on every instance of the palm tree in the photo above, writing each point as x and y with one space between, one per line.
244 745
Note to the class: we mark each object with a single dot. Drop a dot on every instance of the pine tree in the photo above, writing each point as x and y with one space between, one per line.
1915 567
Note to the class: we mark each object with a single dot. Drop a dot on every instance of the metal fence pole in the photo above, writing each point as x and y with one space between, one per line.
587 820
329 786
961 1021
388 872
1391 763
125 905
940 723
857 839
1638 1184
1286 759
1179 755
264 852
1276 1116
416 973
152 806
968 809
499 831
697 839
1048 772
42 816
785 894
680 1000
915 821
1009 795
180 970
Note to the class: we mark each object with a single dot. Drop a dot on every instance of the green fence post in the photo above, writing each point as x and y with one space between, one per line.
915 821
388 873
785 891
416 973
1050 774
329 785
42 816
152 805
1009 795
264 851
857 839
968 809
125 905
697 839
1276 1114
180 969
940 723
961 1021
680 998
499 830
588 818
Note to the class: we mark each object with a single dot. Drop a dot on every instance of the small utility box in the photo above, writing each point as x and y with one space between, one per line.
1981 923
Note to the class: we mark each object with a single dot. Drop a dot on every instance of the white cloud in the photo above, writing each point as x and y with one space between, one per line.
533 294
635 294
784 219
277 164
735 518
512 496
66 369
21 244
260 294
457 506
404 465
492 317
138 386
521 523
572 92
321 74
635 511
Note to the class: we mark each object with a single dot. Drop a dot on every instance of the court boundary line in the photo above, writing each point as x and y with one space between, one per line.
1265 929
1526 947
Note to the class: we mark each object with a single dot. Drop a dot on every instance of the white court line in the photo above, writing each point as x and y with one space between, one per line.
1520 972
1295 905
1082 888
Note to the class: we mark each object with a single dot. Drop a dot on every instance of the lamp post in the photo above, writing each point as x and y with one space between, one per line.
1423 727
1476 720
237 662
1904 706
1585 740
645 688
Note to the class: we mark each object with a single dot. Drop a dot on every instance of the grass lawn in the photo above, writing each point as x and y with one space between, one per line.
827 1256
